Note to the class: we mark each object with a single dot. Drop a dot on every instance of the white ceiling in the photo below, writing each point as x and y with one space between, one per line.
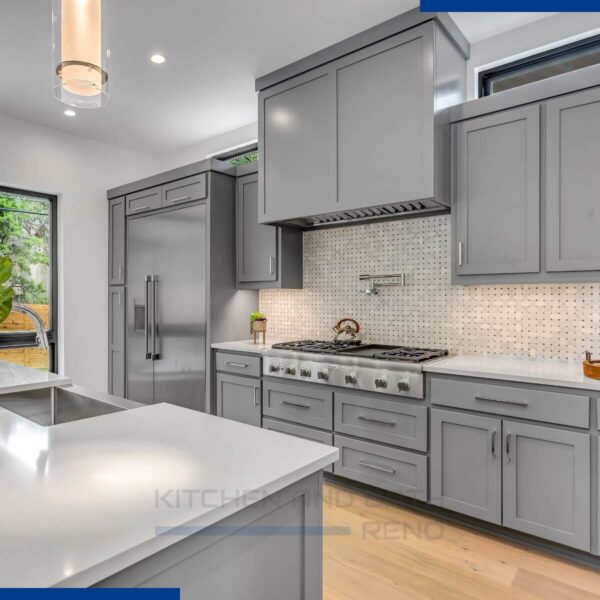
215 49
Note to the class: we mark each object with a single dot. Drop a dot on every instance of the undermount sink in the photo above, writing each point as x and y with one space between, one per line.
71 403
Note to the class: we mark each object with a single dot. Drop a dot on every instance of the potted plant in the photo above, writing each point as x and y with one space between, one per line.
258 324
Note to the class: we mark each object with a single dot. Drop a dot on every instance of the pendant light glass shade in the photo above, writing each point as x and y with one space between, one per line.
80 53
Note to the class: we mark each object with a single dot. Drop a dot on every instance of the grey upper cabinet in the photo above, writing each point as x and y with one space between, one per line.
385 121
143 201
267 256
466 464
497 203
296 122
546 481
238 398
116 341
185 190
572 182
116 241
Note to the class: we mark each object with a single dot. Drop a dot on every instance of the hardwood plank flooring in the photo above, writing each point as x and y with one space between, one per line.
390 552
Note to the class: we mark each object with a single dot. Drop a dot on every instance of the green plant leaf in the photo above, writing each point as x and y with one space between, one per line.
6 266
6 301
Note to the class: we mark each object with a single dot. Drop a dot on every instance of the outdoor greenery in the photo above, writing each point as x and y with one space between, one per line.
25 239
6 291
241 159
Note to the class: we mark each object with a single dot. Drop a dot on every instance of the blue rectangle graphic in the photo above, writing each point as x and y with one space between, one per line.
90 594
510 5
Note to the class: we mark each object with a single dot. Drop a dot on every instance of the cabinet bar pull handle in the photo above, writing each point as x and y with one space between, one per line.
271 263
155 354
373 420
147 354
387 470
508 456
460 254
494 442
180 199
296 404
141 208
238 365
255 396
502 400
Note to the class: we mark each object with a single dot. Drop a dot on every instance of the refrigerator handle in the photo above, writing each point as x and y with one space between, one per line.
147 354
155 355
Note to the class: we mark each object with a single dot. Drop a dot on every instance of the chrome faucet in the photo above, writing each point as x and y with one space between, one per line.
41 338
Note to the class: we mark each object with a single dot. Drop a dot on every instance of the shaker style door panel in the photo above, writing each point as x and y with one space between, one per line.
116 241
238 398
385 121
297 129
116 341
546 479
497 201
256 243
143 201
466 464
572 182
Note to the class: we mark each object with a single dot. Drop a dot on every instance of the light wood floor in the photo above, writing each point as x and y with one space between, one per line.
383 551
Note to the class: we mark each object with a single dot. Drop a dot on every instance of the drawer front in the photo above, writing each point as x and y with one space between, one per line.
551 407
184 190
387 468
305 433
143 201
241 364
379 420
299 404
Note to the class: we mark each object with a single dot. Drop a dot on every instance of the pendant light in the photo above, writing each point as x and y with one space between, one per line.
80 53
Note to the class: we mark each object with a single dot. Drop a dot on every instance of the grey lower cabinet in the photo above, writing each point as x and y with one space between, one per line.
267 256
497 193
466 464
238 398
116 341
572 182
116 241
546 483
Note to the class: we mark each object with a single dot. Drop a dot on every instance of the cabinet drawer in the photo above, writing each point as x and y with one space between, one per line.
387 421
305 433
387 468
241 364
552 407
142 201
300 404
184 190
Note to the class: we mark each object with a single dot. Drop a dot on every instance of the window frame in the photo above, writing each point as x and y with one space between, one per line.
28 339
227 156
485 77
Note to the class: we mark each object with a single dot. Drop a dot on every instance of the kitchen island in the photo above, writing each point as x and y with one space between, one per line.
161 496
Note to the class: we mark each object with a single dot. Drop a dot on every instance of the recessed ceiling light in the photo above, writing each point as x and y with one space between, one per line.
158 59
70 113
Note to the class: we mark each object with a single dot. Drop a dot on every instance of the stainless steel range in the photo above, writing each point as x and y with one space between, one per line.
395 370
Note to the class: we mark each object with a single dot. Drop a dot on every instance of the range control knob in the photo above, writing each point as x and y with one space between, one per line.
380 382
273 368
323 374
403 386
350 378
304 372
290 370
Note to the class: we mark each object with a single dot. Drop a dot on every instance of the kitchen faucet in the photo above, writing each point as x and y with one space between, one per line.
41 338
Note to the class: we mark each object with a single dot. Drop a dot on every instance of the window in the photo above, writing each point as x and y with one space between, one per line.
239 156
564 59
27 236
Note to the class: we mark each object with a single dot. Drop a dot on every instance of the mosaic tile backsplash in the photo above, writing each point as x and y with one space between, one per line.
546 321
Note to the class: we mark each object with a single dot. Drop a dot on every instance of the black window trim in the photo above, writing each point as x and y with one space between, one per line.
27 339
487 76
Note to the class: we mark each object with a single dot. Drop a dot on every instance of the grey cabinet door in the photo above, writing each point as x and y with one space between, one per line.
143 201
497 203
466 464
297 147
385 129
116 241
256 243
546 479
572 182
116 341
238 398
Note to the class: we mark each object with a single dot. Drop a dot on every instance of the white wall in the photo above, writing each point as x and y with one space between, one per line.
79 171
527 39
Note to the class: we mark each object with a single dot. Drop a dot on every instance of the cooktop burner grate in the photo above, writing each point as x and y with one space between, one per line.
409 354
322 347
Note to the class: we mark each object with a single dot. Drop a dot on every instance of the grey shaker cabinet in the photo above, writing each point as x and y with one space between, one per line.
466 464
267 256
116 341
546 483
497 193
116 241
572 182
238 398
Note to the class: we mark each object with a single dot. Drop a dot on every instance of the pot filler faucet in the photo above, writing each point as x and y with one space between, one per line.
41 338
374 286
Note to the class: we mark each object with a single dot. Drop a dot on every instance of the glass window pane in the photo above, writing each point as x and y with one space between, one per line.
28 357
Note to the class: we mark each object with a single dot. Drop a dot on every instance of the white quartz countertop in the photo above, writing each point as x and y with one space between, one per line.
15 378
247 346
524 370
81 501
